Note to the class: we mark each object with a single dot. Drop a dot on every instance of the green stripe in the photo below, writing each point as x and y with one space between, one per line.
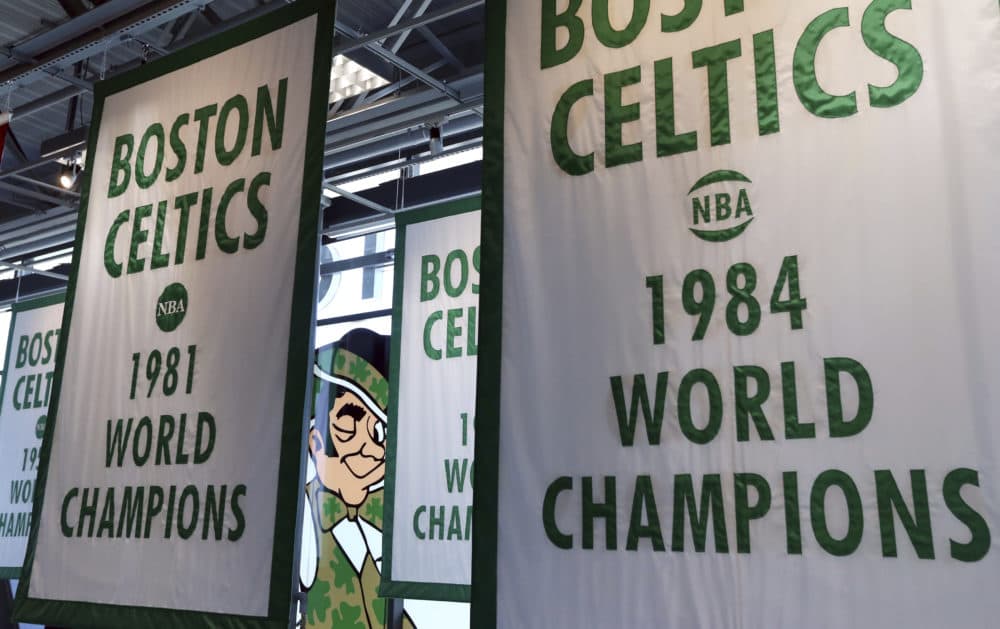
425 591
717 176
39 302
486 485
723 235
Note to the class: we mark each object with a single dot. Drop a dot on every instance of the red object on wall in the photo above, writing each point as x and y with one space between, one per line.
4 123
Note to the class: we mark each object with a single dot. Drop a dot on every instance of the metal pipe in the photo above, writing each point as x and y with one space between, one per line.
405 140
358 199
32 270
426 18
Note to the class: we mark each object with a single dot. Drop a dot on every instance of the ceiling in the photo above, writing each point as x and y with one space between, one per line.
53 51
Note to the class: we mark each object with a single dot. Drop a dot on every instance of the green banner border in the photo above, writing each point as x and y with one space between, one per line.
83 615
410 589
487 452
14 572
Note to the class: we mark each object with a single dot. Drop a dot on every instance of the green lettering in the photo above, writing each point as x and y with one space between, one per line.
557 537
906 58
121 165
274 115
113 267
617 114
142 178
715 59
569 161
644 503
710 506
855 514
607 34
551 22
139 236
813 97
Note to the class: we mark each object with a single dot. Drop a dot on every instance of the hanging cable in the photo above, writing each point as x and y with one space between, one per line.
104 60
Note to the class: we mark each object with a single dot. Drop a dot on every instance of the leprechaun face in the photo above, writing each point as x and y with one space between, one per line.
352 459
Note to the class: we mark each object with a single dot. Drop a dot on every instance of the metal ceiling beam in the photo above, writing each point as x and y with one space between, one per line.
455 149
28 269
356 127
85 36
31 194
421 10
358 199
4 174
427 18
439 47
42 184
404 65
48 100
77 27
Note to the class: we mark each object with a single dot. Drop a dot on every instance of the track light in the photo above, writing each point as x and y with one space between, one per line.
68 175
436 144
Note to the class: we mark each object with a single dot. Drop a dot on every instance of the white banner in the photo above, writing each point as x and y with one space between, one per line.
174 475
27 387
747 355
430 461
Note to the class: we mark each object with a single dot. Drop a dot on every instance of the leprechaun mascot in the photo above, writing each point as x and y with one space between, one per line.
343 560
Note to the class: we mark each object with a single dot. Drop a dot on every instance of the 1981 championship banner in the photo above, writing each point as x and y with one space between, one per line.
170 493
743 369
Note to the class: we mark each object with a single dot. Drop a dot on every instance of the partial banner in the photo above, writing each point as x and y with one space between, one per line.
24 404
738 364
170 484
432 405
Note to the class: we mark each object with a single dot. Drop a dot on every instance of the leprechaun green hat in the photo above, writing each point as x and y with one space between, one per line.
357 362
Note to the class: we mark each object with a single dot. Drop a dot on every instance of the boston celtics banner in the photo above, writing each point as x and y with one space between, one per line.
172 462
738 358
432 409
24 403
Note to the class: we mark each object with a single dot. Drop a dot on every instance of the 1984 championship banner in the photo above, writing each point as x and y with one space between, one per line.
743 369
173 453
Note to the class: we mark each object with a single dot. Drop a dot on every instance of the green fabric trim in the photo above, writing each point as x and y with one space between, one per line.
410 589
39 302
290 470
298 378
487 450
425 591
14 572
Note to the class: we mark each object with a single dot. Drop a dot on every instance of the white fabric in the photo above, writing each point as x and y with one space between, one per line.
892 214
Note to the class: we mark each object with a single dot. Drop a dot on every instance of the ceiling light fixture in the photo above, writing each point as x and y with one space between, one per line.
348 79
68 175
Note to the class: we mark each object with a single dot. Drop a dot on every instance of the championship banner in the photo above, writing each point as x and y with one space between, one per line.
739 356
171 469
4 125
428 544
24 403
